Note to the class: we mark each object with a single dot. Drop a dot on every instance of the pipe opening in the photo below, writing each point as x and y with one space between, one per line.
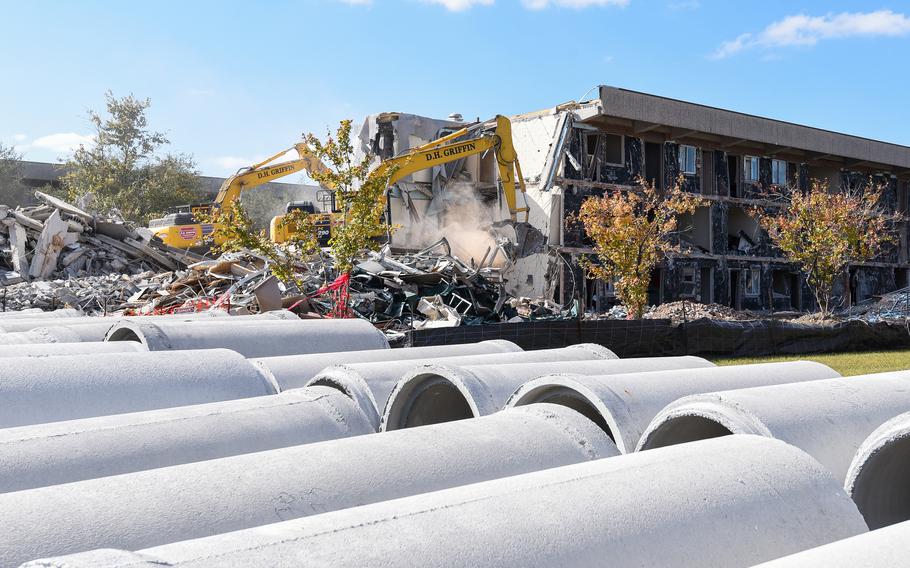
682 429
124 334
881 490
432 401
571 398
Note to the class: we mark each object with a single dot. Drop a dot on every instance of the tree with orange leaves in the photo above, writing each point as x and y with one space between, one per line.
825 231
632 231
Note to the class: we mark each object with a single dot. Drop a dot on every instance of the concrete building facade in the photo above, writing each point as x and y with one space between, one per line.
730 159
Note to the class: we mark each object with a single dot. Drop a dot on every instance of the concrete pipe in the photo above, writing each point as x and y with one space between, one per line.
38 313
827 419
371 383
38 390
730 502
882 548
877 477
74 450
159 506
41 335
295 371
28 324
260 338
442 392
59 349
623 405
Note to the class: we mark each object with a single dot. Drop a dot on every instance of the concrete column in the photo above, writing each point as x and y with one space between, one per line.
38 313
877 478
827 419
254 338
74 450
58 349
625 404
159 506
442 392
882 548
38 390
294 371
371 383
730 502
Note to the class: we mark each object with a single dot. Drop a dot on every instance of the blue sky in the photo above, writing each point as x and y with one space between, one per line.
231 82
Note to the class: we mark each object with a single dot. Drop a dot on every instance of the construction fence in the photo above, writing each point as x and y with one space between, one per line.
703 337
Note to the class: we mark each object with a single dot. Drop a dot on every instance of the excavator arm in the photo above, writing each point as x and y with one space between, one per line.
189 232
443 151
261 173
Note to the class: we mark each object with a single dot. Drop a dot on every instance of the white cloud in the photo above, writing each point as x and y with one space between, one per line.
802 30
19 137
576 4
460 5
61 143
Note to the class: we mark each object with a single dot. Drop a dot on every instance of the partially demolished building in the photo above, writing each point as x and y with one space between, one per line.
577 150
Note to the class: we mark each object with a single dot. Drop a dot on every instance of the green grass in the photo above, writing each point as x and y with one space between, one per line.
844 363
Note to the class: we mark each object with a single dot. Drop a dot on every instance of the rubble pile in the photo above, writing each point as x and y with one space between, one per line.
682 311
56 254
435 288
891 306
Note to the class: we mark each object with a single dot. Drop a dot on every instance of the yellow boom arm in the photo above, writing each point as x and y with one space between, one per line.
261 173
443 151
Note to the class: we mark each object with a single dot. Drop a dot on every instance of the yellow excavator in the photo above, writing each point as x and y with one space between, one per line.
494 135
182 229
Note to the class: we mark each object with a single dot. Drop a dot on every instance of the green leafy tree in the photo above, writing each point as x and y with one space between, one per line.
360 195
632 231
12 191
123 167
825 231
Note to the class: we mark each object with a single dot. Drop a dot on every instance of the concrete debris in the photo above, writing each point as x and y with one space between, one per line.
891 306
56 240
436 288
688 311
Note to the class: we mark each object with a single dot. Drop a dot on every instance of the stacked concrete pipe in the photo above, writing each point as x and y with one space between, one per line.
827 419
877 478
17 325
436 393
38 313
169 504
38 390
624 404
295 371
371 383
63 349
93 332
74 450
731 502
254 338
882 548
